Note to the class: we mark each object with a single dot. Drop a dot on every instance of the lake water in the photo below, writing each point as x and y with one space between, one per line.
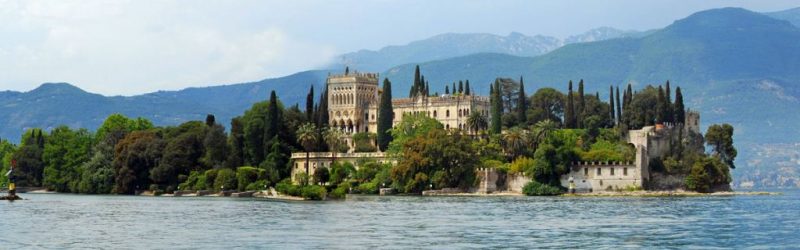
115 222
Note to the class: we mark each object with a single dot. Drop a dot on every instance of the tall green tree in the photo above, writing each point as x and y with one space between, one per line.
579 114
273 122
680 110
522 104
310 105
385 116
135 155
322 114
29 159
611 104
460 87
497 109
720 139
467 90
619 108
670 113
661 107
547 104
64 153
236 144
569 114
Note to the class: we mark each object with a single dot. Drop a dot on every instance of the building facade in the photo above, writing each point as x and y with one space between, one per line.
353 105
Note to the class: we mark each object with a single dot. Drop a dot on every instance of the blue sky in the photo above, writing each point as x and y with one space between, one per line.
130 47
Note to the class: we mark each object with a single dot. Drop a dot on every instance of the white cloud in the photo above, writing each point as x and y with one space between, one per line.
122 47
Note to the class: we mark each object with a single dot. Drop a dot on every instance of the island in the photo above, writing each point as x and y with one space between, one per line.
441 139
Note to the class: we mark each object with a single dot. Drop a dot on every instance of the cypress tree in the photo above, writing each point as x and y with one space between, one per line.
455 90
661 106
322 114
210 120
460 87
522 104
581 105
680 112
427 89
467 91
619 108
612 113
670 111
446 89
385 116
421 87
272 122
310 104
569 114
497 109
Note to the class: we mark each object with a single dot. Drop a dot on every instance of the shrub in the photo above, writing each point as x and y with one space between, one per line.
322 175
520 165
287 188
225 180
368 188
257 185
211 176
247 175
340 192
534 188
314 192
190 181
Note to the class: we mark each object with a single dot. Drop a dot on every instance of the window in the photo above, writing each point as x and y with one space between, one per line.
586 171
612 171
434 113
625 171
599 172
447 114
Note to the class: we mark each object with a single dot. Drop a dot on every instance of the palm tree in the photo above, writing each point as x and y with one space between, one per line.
514 141
307 137
541 130
333 137
477 122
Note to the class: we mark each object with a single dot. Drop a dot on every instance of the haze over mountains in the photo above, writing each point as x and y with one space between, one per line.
734 65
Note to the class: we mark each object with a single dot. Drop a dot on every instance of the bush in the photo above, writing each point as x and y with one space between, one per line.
322 175
226 180
364 142
190 181
534 188
340 192
257 185
248 175
211 176
287 188
314 192
368 188
520 165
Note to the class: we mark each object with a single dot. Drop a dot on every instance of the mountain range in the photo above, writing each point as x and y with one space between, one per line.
734 65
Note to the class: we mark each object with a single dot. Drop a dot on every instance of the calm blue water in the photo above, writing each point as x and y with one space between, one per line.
104 222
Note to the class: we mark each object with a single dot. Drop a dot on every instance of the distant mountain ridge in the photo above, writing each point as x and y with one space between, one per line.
453 44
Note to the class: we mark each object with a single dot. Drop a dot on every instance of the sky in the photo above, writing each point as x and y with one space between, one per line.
124 47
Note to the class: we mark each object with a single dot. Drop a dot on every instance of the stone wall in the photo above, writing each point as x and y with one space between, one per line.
325 159
515 182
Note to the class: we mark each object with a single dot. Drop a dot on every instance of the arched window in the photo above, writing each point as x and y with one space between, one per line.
434 113
447 114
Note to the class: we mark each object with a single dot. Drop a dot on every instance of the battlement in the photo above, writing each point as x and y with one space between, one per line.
602 164
353 77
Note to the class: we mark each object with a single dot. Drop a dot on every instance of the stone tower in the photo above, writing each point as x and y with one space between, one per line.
351 101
